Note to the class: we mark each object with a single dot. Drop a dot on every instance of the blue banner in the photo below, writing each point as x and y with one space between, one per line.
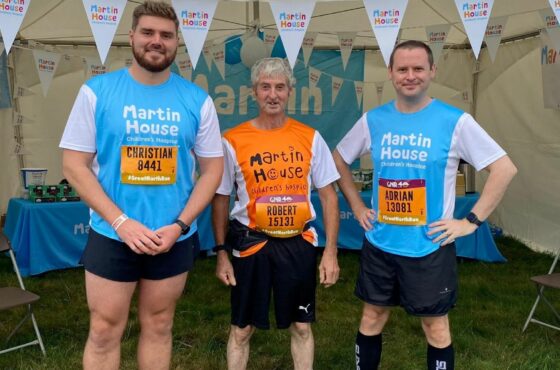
235 104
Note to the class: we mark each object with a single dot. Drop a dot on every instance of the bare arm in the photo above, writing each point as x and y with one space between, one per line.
220 211
76 167
211 169
364 215
328 268
501 172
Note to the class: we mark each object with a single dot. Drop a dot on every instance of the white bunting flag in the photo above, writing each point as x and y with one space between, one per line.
550 65
219 54
185 66
104 17
551 26
436 36
20 119
493 35
46 63
475 15
379 86
314 76
336 86
385 17
292 18
94 67
346 43
359 87
269 40
20 91
307 46
195 18
207 53
555 6
11 16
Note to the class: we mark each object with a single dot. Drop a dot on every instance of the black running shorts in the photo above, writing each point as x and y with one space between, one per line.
114 260
424 286
287 267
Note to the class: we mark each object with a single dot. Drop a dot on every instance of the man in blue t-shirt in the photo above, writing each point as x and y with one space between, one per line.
408 257
131 144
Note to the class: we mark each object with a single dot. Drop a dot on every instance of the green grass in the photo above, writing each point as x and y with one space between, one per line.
494 301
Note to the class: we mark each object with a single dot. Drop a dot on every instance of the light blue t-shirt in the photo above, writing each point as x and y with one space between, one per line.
159 128
415 158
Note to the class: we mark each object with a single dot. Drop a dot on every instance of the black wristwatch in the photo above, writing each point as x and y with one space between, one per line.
219 247
184 227
473 219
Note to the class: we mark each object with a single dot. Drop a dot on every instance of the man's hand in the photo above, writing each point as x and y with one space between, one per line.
328 268
224 269
365 217
450 230
139 238
168 235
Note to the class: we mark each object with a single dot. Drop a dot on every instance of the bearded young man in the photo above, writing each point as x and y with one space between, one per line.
130 147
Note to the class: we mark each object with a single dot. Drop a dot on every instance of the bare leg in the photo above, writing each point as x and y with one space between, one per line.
238 347
374 319
156 309
109 303
437 331
303 345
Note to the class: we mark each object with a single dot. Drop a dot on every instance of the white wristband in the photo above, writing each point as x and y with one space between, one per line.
119 221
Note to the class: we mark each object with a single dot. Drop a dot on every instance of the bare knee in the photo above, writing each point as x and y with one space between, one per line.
301 330
105 333
159 324
437 331
241 336
373 319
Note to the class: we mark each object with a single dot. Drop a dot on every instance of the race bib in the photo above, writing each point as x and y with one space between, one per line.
148 165
282 216
402 202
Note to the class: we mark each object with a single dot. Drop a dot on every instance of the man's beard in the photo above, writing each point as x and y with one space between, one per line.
151 66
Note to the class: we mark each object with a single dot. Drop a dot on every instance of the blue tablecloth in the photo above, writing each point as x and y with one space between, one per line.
52 236
479 245
46 236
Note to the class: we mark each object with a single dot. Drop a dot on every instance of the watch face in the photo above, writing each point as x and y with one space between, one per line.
471 217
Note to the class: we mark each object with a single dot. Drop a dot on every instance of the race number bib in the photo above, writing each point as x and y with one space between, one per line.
148 165
282 216
402 202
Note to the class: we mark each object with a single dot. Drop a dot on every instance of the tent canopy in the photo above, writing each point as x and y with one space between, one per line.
505 96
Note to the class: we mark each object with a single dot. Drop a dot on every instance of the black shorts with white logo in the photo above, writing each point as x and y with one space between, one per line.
114 260
423 286
285 266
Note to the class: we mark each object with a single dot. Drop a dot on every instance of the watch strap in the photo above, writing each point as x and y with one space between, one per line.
473 219
184 227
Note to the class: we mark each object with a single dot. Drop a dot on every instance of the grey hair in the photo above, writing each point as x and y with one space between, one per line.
272 67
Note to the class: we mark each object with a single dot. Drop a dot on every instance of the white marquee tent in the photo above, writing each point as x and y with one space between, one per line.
506 96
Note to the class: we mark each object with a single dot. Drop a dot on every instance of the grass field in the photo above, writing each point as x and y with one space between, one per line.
494 301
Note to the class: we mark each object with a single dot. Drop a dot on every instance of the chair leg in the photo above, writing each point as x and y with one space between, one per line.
530 317
38 341
36 327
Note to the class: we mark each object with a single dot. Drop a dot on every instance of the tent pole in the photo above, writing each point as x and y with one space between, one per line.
475 88
15 104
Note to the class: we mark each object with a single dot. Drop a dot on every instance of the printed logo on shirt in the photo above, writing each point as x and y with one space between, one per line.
158 121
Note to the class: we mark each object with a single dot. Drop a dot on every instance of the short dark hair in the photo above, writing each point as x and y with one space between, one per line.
412 44
155 9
